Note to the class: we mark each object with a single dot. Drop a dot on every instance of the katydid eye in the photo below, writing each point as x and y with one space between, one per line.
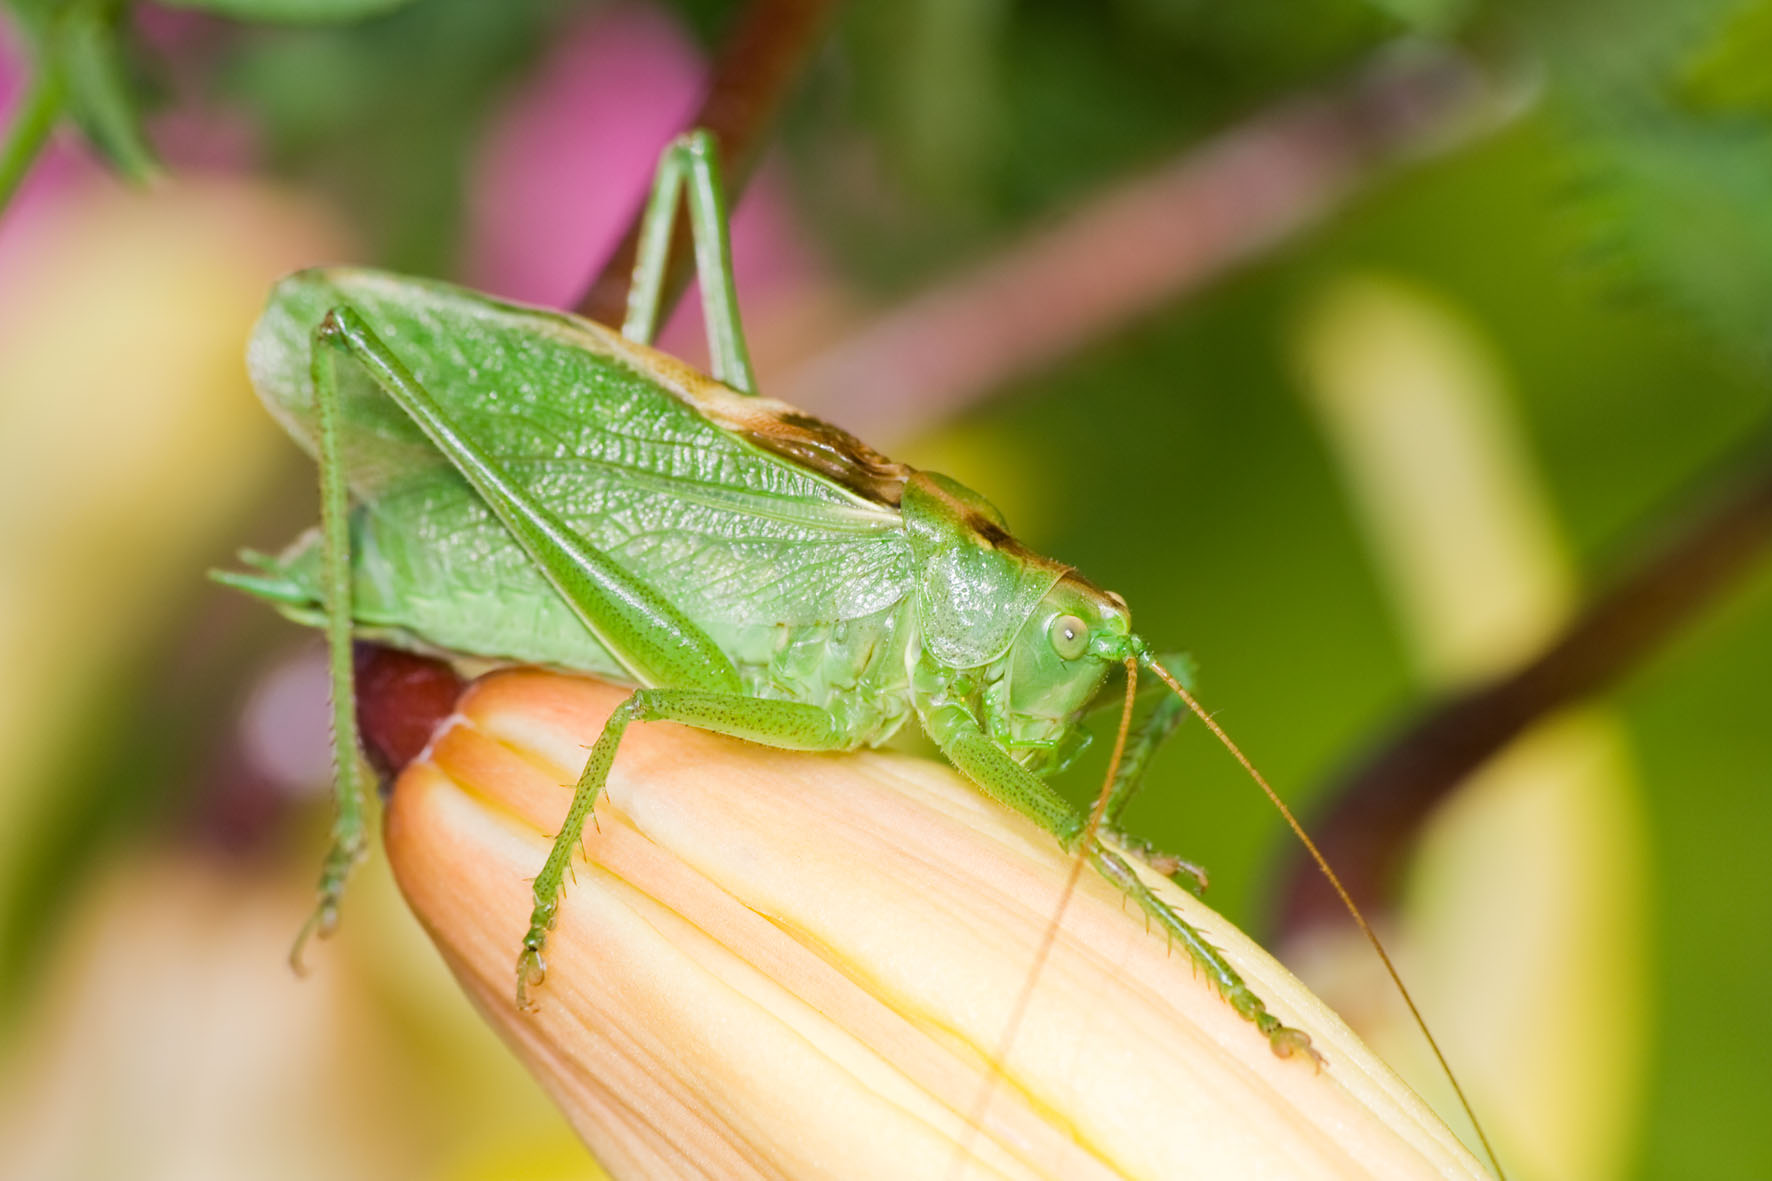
1069 636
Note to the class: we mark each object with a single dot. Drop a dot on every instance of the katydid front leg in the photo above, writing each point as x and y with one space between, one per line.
1285 1040
1141 748
957 732
787 725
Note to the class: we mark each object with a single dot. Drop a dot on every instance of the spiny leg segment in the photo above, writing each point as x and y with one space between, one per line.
1285 1040
987 765
787 725
349 840
983 761
1128 776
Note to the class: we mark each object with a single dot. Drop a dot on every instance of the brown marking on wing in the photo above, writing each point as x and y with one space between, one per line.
830 451
784 430
989 532
810 442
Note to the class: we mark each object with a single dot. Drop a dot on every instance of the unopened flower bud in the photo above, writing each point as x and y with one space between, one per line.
783 965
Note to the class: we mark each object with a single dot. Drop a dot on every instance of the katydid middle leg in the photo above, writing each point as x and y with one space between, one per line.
1001 777
788 725
694 681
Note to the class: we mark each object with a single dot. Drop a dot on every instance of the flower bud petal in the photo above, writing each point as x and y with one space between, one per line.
779 964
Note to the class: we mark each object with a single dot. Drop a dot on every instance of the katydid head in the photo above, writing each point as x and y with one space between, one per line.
1040 639
1075 636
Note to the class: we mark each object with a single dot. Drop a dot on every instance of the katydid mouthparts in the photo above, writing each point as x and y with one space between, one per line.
521 486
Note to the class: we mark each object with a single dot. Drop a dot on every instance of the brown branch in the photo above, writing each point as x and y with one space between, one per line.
1135 248
763 56
1377 807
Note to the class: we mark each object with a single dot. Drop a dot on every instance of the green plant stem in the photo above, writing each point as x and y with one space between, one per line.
38 111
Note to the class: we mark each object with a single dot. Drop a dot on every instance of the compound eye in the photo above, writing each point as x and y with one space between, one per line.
1069 636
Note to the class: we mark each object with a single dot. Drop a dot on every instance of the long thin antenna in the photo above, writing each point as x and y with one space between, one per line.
1346 899
1050 938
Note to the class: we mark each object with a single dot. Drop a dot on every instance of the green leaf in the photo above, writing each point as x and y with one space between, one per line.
304 12
1670 142
1683 210
85 48
1428 16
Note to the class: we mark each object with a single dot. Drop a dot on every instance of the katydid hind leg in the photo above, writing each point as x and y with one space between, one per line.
639 627
651 638
784 724
349 838
691 165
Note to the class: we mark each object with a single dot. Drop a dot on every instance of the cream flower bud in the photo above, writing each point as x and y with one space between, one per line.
783 965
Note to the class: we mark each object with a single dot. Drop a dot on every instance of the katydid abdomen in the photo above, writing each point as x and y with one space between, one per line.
802 582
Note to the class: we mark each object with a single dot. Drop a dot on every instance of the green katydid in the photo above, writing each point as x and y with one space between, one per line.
530 487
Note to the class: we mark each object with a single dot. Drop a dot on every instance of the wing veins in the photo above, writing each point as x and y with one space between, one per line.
832 516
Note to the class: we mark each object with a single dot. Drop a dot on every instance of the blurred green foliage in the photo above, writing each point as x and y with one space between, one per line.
978 124
385 114
1613 246
292 11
